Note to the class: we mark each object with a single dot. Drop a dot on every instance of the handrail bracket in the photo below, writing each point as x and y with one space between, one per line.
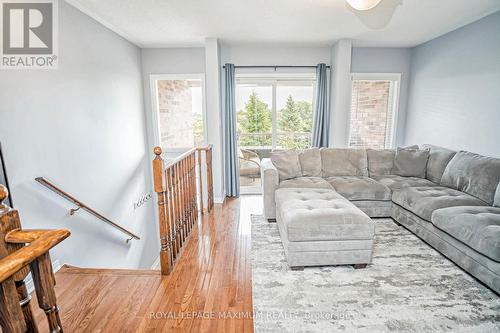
72 211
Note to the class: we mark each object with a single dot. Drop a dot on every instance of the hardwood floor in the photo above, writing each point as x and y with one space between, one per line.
210 289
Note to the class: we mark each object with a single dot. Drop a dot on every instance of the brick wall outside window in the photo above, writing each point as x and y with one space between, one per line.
176 113
371 114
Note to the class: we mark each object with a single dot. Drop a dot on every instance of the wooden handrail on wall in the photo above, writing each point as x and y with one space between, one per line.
175 186
81 205
16 261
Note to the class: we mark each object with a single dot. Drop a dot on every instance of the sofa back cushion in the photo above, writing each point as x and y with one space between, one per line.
287 163
380 161
496 201
343 162
310 162
474 174
439 158
410 162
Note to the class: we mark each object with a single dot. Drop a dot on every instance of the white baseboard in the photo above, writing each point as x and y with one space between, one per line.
156 263
56 265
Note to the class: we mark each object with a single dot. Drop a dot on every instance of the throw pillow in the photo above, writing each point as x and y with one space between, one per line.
310 162
380 161
410 163
287 163
496 202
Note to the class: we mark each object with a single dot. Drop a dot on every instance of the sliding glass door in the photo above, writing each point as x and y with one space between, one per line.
272 113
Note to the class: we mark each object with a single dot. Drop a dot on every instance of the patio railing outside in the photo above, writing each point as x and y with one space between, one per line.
284 140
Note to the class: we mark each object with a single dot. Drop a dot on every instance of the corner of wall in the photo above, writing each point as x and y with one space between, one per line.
341 57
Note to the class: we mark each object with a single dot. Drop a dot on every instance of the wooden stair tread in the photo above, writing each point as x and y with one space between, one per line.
68 269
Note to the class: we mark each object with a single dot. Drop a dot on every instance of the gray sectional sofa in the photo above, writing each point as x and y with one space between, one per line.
449 199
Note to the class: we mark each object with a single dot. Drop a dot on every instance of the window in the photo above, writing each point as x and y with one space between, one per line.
179 103
373 110
272 113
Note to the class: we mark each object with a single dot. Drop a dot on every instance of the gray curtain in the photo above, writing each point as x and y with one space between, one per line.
321 126
231 168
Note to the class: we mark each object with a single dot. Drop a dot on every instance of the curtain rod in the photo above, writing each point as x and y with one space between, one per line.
275 66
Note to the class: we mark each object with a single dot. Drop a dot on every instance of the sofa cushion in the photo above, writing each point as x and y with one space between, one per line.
410 162
359 188
287 163
321 215
474 174
496 202
395 182
343 162
423 201
310 162
477 227
439 158
305 182
380 161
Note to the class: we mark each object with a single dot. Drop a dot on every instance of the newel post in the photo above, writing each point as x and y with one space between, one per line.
165 241
11 315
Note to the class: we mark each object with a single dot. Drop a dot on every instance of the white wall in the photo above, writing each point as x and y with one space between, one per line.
274 55
167 61
455 89
387 60
82 126
340 94
214 116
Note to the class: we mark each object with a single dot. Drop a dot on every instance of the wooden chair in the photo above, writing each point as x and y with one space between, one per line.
22 252
249 164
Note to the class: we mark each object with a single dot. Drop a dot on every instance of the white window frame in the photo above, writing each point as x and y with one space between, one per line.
272 79
396 79
155 110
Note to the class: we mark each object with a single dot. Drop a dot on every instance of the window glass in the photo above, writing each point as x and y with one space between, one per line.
180 113
371 123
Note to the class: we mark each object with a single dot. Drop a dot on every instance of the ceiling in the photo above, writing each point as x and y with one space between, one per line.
181 23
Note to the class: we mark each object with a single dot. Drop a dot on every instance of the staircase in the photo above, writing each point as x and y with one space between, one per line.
116 300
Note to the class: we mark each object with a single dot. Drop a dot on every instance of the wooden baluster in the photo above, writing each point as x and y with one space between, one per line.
188 198
183 197
25 301
172 233
43 279
200 179
189 194
177 206
173 197
192 187
165 248
209 179
9 220
11 315
188 206
177 172
207 162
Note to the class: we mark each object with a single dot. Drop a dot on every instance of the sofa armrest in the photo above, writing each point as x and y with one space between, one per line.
270 181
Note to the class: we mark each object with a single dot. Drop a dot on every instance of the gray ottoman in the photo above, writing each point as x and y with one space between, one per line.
319 227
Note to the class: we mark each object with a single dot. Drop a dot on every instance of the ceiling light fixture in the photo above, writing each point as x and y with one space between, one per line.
363 4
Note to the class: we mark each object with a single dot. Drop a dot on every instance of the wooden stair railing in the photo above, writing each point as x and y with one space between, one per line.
18 259
175 186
